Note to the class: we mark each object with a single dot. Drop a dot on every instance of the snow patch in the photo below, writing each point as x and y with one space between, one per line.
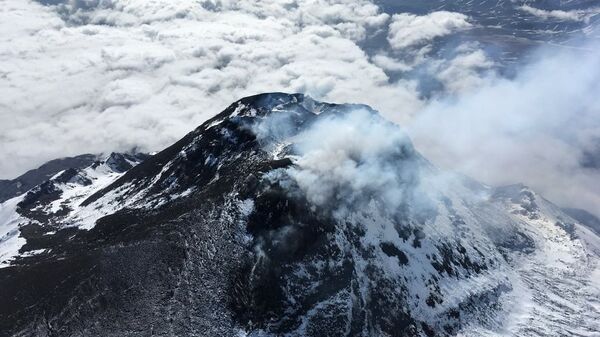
10 240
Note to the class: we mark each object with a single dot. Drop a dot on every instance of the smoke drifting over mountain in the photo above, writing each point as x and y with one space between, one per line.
540 128
342 158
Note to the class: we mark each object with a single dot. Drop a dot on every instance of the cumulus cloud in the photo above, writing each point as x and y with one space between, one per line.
573 15
391 64
463 72
408 30
534 129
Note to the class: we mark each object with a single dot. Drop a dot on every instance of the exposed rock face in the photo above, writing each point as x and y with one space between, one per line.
15 187
287 216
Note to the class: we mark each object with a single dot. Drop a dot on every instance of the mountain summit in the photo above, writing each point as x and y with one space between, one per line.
284 216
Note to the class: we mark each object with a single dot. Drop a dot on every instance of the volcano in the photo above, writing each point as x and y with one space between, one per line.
285 216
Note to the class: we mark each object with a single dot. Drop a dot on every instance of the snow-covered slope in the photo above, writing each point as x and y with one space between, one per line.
21 184
287 216
56 203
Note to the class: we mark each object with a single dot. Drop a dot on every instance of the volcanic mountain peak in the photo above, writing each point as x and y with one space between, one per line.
287 216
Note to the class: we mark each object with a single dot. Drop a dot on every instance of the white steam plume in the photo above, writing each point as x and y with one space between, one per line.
354 152
537 128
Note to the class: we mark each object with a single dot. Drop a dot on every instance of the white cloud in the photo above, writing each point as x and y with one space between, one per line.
573 15
392 64
463 73
408 30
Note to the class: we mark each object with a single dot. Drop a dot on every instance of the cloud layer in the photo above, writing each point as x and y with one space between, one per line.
86 76
109 75
408 30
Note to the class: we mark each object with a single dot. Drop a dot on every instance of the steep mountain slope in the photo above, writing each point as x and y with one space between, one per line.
15 187
287 216
54 203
